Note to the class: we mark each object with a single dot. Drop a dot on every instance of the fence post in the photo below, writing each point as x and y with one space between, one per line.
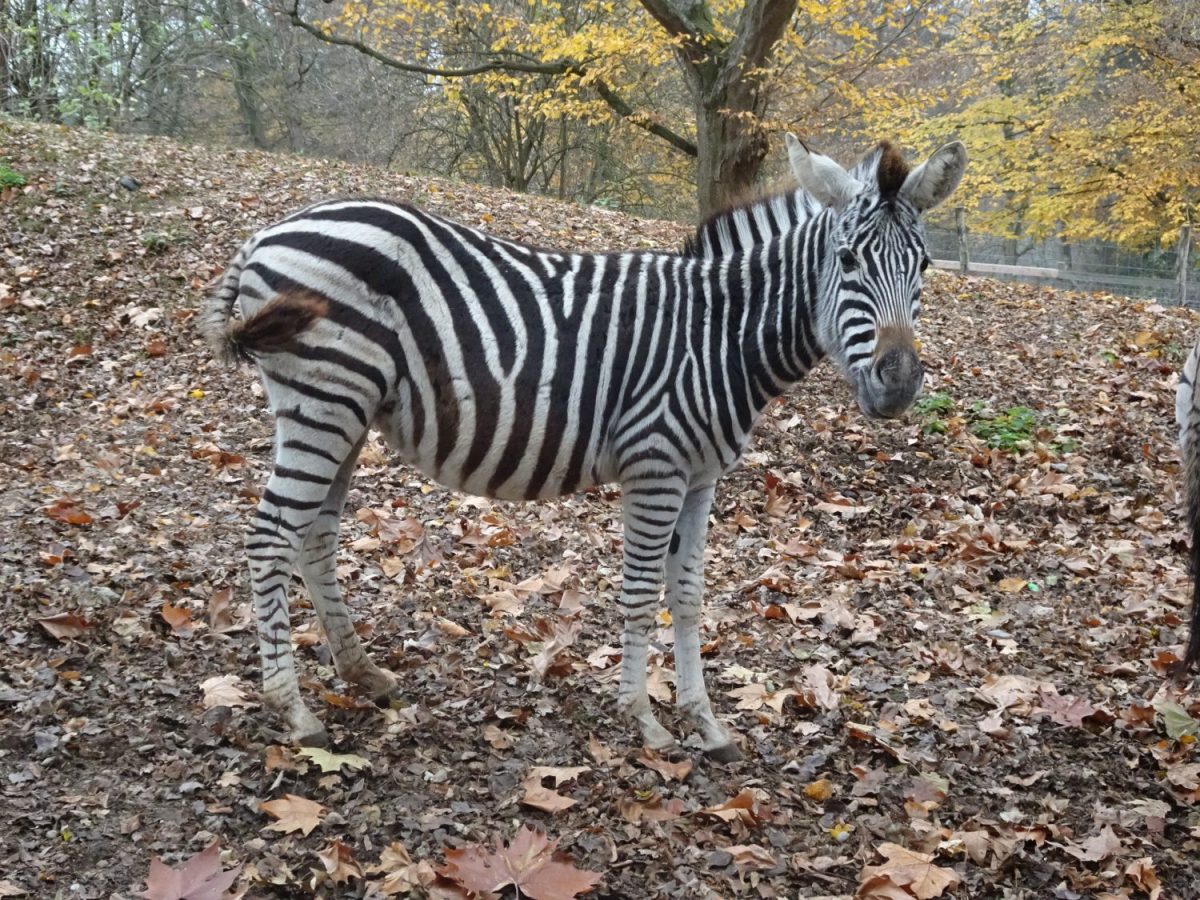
960 224
1182 252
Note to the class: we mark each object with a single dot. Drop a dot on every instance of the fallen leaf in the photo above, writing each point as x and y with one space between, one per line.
670 771
1145 879
224 690
911 870
547 799
1176 720
339 862
332 762
178 617
294 814
751 856
745 808
1098 847
199 878
68 512
64 626
529 863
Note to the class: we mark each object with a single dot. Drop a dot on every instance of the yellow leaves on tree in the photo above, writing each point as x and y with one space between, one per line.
1083 118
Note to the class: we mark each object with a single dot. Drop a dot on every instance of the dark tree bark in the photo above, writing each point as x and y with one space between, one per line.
728 88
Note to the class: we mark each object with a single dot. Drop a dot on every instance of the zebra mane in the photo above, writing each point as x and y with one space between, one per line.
884 168
748 224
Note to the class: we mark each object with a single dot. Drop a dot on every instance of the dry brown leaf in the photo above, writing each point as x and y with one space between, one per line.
563 632
817 688
68 512
401 874
751 856
547 799
199 878
64 626
819 790
745 808
339 862
599 752
224 690
1145 879
911 870
294 814
670 771
529 862
178 617
1098 847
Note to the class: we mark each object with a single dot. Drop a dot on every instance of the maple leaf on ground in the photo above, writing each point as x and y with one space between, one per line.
224 690
199 878
1098 847
332 762
294 814
401 874
529 863
907 869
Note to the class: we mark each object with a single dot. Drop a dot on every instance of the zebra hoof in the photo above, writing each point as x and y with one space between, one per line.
311 737
724 753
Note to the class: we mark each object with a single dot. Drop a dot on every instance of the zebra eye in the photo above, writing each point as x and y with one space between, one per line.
849 260
925 264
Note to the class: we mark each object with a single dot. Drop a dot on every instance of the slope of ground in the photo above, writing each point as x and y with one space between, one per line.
944 636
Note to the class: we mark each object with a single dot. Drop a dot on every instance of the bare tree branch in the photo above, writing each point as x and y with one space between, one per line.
504 64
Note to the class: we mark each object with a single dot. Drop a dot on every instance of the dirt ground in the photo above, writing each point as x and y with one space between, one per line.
945 635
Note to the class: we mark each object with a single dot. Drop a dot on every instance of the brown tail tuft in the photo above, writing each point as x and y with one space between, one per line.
275 327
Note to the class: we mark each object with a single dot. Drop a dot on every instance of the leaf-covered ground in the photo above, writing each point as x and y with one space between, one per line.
946 658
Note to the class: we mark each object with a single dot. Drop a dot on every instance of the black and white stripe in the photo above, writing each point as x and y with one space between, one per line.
1187 417
503 370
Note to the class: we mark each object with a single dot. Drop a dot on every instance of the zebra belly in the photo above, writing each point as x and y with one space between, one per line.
513 453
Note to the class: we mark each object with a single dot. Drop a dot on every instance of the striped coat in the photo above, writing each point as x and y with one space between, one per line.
512 372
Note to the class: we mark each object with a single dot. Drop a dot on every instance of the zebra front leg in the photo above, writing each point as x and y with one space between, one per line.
685 597
309 455
318 567
649 509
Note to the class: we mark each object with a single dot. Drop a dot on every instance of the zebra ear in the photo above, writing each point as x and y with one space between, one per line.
935 179
820 175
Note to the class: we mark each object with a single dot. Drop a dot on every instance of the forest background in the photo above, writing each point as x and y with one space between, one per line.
1083 118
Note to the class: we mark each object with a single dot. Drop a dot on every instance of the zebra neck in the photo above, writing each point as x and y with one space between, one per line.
783 282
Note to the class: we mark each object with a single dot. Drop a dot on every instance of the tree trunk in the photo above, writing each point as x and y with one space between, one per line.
731 147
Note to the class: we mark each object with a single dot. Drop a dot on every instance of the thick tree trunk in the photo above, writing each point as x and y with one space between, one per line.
731 148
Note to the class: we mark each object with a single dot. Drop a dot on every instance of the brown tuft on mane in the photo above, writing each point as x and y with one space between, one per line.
892 170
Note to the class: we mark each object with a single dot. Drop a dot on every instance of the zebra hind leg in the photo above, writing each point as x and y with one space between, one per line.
650 505
685 594
318 567
309 457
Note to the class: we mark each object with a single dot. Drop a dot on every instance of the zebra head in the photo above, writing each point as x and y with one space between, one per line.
874 257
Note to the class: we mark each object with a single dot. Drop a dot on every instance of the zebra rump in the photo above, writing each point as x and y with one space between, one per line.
1187 416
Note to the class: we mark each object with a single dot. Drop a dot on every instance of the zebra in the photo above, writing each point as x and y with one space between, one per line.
1187 417
498 369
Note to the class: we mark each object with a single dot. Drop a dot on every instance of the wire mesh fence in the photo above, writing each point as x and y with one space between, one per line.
1082 266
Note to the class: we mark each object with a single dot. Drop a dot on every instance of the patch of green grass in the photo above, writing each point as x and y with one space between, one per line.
1010 430
931 410
157 242
10 178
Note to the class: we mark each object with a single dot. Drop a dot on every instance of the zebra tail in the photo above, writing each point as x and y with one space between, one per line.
1187 415
275 327
272 329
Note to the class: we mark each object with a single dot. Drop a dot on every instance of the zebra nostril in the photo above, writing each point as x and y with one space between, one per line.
897 368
